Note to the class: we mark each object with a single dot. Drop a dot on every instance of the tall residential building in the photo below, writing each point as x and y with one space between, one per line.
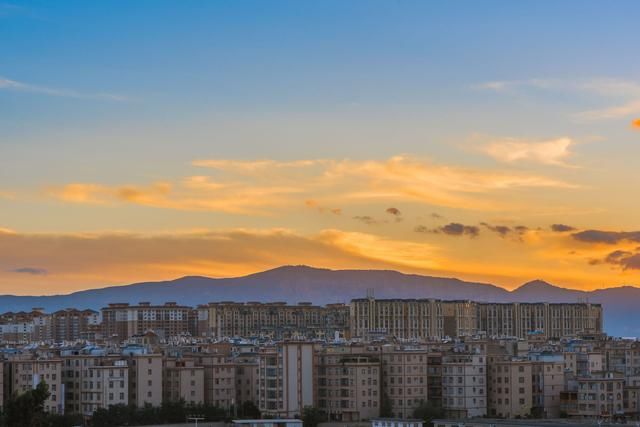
401 318
405 378
286 379
424 319
509 387
548 380
72 324
247 378
121 321
599 395
26 373
105 384
145 379
277 320
464 385
183 380
348 384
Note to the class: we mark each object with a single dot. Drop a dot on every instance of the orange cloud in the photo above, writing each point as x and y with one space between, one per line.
266 186
77 261
635 124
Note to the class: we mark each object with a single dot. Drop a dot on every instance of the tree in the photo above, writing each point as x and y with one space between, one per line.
27 409
248 409
312 416
428 412
386 410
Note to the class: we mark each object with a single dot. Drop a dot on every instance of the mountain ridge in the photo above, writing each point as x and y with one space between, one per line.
293 284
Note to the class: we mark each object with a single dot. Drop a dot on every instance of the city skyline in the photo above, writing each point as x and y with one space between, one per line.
488 141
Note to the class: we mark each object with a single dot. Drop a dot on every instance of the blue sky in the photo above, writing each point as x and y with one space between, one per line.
98 99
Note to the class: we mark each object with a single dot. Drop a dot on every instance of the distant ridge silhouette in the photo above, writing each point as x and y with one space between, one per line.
295 284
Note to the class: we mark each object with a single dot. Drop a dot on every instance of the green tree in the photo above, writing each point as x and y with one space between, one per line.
248 409
386 411
27 409
312 416
428 412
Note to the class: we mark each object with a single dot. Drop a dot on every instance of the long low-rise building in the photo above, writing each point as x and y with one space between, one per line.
429 318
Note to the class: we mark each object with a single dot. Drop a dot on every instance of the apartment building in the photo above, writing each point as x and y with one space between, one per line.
400 318
183 380
404 378
599 395
105 384
348 384
464 385
286 379
434 378
26 373
71 324
219 375
121 321
276 320
145 378
509 387
247 378
548 380
93 379
423 319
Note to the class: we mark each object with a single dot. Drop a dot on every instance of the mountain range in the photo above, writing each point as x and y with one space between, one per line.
293 284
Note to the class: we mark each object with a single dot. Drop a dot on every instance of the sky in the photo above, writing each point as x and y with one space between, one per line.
490 141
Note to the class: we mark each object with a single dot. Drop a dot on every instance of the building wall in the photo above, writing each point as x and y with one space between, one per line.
464 385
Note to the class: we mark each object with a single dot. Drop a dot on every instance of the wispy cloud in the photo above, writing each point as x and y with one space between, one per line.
95 259
626 260
34 271
260 187
452 229
16 86
550 152
622 95
606 237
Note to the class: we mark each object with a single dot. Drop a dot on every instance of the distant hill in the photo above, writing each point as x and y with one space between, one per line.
294 284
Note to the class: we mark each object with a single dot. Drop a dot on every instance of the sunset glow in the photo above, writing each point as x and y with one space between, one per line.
304 135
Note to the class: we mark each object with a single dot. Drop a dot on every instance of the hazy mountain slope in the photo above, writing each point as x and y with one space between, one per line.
300 283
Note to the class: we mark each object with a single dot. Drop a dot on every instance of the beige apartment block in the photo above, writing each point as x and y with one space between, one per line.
26 374
464 385
105 384
219 377
145 379
548 380
599 395
509 389
405 378
121 321
423 319
348 384
75 376
286 379
183 380
247 378
277 320
400 318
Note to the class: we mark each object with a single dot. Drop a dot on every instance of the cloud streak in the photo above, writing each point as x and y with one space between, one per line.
260 187
451 229
81 260
34 271
16 86
552 152
606 237
623 95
